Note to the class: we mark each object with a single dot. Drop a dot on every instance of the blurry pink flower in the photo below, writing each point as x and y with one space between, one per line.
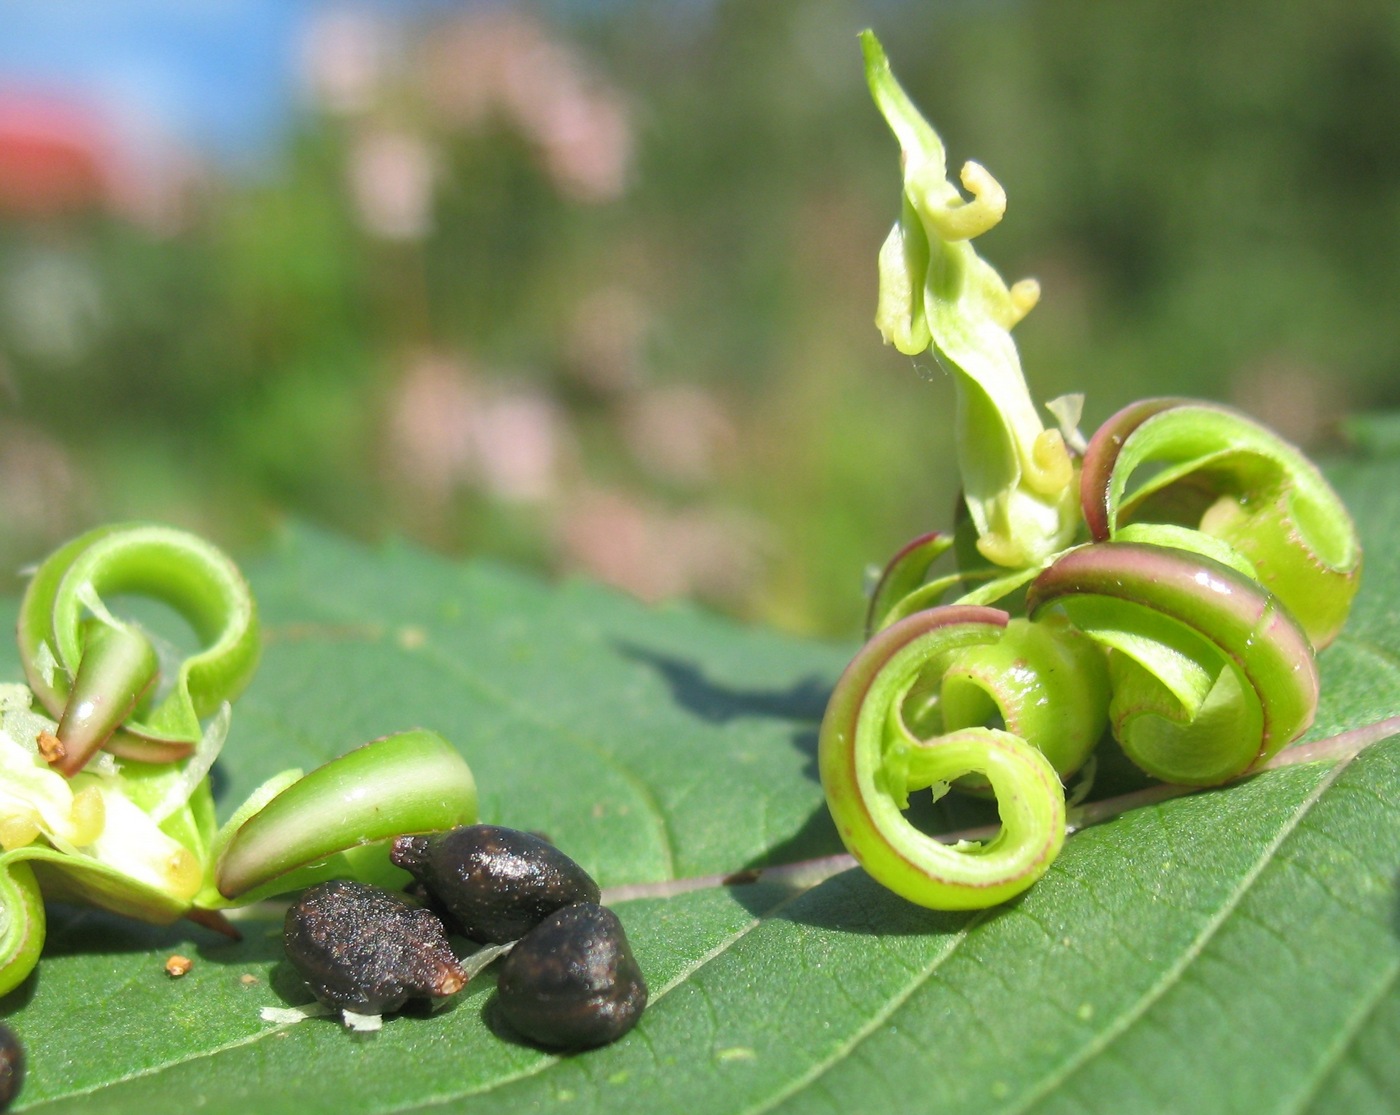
429 427
517 444
580 125
466 60
448 431
612 538
588 147
656 554
344 57
505 64
59 157
680 433
391 179
54 157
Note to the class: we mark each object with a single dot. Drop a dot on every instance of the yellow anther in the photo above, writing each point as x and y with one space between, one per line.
1051 469
88 816
1020 300
1024 297
19 829
182 873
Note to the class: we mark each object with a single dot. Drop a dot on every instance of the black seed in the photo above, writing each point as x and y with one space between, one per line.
420 895
11 1066
496 883
572 981
365 949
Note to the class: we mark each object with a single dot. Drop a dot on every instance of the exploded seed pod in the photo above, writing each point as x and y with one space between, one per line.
572 981
364 949
497 883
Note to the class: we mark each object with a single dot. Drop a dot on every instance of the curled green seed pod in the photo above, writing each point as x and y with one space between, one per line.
1211 675
90 669
1237 481
1046 682
140 839
22 922
337 820
877 746
901 589
118 666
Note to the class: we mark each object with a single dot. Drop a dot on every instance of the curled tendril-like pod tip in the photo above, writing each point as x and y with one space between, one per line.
1096 496
343 811
1237 481
901 589
1046 682
22 925
92 670
872 758
1211 674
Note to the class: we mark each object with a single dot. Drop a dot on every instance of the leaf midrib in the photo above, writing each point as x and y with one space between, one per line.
877 1021
1105 1037
1346 1037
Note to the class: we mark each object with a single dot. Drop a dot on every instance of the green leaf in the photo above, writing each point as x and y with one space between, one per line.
1230 950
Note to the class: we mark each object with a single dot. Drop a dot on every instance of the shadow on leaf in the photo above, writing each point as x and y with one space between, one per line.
86 930
801 704
716 703
853 902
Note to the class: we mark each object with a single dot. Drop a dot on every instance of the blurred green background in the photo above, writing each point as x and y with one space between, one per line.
589 288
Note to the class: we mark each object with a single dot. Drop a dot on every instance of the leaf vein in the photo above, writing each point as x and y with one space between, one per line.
875 1022
1172 976
152 1070
529 714
534 1070
1347 1035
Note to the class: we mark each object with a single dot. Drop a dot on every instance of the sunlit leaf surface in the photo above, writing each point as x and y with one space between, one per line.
1236 950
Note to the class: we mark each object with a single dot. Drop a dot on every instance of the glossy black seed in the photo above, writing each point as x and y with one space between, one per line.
420 895
496 883
365 949
572 981
11 1066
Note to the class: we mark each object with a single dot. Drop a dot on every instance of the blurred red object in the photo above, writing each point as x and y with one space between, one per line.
55 157
61 156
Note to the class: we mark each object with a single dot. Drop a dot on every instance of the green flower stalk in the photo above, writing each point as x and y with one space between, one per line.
937 293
